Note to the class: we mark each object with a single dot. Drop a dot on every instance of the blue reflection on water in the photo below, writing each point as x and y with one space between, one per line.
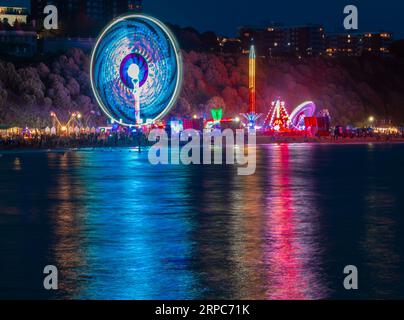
135 229
119 228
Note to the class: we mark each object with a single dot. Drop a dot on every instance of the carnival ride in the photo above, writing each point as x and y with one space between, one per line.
279 120
306 109
74 121
252 116
136 70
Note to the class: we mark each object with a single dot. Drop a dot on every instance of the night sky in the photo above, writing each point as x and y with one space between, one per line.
224 16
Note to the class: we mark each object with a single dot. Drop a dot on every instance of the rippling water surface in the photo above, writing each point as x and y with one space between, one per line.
119 228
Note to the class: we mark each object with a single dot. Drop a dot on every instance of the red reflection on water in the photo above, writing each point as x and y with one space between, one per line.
288 246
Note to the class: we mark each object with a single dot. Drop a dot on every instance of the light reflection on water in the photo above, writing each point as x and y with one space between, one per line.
119 228
293 252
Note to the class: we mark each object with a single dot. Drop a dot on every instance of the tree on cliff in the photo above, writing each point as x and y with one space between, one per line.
351 88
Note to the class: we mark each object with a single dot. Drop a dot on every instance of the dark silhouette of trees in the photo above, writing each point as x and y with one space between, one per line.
350 88
397 48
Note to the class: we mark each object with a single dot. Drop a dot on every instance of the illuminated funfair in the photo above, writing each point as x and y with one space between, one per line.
306 109
252 115
278 118
136 70
74 120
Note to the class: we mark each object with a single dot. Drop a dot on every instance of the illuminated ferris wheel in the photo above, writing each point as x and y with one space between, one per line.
136 70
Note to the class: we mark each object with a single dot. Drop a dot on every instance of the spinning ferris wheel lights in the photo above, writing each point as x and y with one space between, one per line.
136 70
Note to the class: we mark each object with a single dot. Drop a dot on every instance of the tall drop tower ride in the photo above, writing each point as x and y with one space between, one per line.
251 73
252 116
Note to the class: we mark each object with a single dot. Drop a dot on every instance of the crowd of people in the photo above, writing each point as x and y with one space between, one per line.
340 132
44 141
139 139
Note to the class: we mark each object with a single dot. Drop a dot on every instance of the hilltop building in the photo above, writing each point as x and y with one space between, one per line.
80 21
84 14
357 44
278 40
311 40
19 43
17 38
230 45
12 15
